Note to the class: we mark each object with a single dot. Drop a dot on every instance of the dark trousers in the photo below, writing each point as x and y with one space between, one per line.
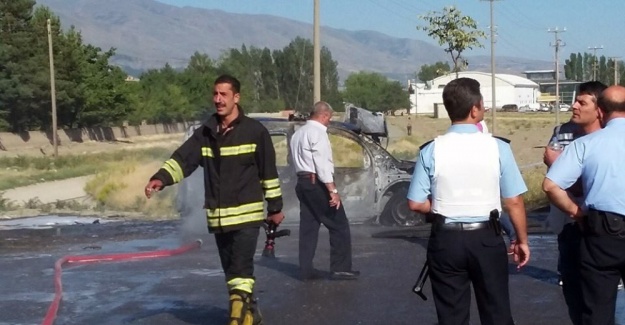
602 258
315 210
569 241
459 258
236 252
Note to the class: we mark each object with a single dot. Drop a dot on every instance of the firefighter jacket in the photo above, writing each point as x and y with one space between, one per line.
239 171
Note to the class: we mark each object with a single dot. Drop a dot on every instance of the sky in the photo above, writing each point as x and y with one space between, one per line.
521 25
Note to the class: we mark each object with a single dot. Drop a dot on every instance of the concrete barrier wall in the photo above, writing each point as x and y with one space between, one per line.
37 139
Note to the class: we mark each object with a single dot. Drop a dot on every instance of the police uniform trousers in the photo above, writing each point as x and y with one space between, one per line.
461 257
569 241
236 252
602 265
315 210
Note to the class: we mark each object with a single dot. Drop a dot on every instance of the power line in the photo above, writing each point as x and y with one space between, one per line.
492 66
399 14
594 60
558 43
615 61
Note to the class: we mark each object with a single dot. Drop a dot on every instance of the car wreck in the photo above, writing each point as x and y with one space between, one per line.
373 184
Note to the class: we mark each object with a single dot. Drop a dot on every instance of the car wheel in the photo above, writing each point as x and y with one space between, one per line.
396 211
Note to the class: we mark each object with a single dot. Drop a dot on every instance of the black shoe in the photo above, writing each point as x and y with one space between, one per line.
345 275
311 275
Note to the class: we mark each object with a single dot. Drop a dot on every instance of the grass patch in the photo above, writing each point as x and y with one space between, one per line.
346 152
26 170
120 187
534 197
405 147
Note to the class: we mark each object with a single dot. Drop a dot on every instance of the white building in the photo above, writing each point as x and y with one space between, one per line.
510 89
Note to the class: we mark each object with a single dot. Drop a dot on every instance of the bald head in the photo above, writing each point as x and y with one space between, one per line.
612 101
321 108
321 112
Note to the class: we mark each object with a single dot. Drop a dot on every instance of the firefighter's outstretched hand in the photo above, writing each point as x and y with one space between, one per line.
276 218
154 185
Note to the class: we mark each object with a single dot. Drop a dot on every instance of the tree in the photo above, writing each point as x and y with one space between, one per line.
429 72
570 67
582 68
295 76
375 92
197 79
295 63
16 90
455 31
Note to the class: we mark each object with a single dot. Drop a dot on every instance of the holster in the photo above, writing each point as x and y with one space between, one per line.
494 222
604 223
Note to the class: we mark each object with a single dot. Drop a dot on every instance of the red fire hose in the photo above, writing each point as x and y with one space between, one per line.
58 269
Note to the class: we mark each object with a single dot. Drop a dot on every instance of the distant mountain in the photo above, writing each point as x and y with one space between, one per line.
148 34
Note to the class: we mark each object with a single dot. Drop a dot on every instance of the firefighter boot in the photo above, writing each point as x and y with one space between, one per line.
255 311
243 309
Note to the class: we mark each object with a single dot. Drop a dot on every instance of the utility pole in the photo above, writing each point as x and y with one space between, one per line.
615 60
594 60
558 43
492 68
52 90
317 55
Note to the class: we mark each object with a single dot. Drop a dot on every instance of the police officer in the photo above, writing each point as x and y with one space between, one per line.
460 178
598 159
586 118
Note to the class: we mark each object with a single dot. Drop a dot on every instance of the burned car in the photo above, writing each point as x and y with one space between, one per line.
373 184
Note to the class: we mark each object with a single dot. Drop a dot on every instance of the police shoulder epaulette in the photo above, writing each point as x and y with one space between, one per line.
425 144
502 139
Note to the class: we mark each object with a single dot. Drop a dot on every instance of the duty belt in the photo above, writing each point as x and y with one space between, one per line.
464 225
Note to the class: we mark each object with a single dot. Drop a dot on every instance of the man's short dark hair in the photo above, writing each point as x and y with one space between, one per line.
593 88
459 96
608 105
228 79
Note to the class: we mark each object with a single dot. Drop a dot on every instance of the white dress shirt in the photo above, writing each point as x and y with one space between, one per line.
311 151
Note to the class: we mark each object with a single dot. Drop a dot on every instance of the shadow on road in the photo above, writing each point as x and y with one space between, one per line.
185 312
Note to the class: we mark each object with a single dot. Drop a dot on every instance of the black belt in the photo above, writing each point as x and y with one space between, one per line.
307 175
464 225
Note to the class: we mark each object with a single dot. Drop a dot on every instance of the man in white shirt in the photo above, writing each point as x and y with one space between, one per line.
320 202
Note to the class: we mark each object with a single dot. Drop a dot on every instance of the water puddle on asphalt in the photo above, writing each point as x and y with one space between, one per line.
47 222
620 308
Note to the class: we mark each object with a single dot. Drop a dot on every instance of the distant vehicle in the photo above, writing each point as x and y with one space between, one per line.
545 107
533 107
565 107
510 108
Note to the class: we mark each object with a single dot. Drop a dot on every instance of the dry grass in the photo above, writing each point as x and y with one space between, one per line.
280 145
120 188
346 153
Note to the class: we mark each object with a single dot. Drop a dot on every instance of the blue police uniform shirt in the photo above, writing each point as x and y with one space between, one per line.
511 182
598 159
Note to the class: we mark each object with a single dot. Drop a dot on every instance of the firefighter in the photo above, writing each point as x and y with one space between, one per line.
238 158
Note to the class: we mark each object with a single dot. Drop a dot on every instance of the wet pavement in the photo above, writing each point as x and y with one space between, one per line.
190 289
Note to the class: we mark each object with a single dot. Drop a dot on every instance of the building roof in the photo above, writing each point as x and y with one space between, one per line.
539 71
485 79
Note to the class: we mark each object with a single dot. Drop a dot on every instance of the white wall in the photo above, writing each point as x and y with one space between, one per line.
423 100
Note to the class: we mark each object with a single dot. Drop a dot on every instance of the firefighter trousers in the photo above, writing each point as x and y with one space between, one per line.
236 252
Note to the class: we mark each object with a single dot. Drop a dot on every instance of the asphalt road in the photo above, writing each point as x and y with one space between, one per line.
190 289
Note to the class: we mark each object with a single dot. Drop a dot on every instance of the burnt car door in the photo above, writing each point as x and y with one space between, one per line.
353 174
